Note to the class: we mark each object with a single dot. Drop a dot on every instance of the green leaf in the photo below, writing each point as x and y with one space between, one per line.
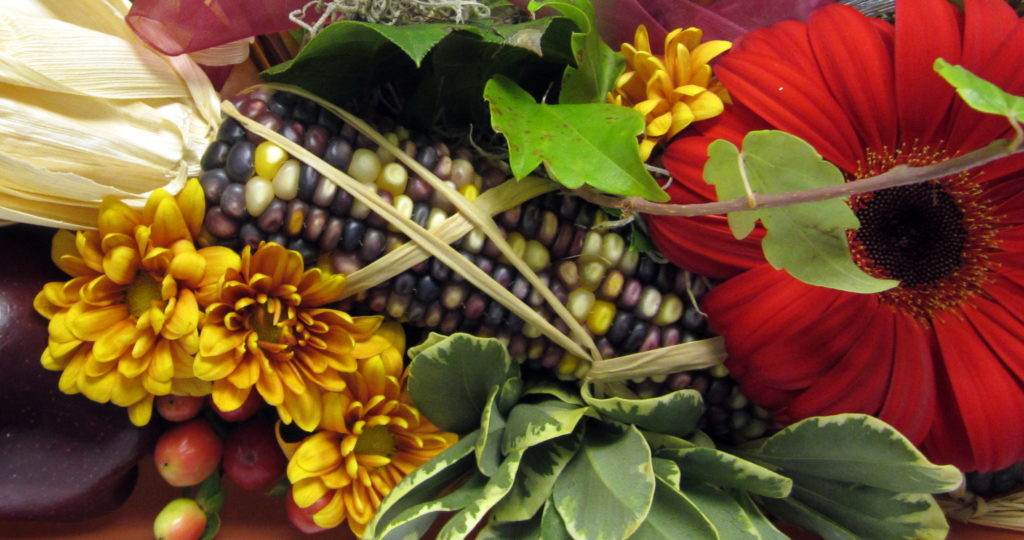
512 530
871 512
533 423
568 393
450 380
552 526
606 489
209 495
792 511
724 513
667 470
463 522
592 144
492 425
541 466
414 521
765 528
859 449
510 393
675 413
673 516
726 470
659 441
808 240
980 94
212 527
425 482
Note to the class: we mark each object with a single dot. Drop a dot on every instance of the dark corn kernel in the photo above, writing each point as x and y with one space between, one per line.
316 221
215 156
232 201
307 250
293 131
332 234
404 284
373 244
427 290
272 218
308 180
220 224
306 111
315 140
214 181
439 270
450 322
230 131
475 305
352 235
239 164
324 194
636 336
269 120
250 235
338 153
342 203
419 190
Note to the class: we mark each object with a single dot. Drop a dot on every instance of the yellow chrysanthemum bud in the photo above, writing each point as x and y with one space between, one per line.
673 90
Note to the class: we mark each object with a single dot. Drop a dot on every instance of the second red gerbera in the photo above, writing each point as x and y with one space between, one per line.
941 357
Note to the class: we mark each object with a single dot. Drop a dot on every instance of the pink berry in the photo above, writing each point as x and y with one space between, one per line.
179 408
244 412
181 519
187 453
252 457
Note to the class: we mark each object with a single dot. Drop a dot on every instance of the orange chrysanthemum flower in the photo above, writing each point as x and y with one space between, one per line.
373 437
671 91
268 330
124 328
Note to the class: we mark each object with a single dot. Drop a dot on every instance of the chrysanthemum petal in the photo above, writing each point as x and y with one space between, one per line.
90 324
307 491
192 203
184 319
116 217
332 514
305 408
215 340
228 397
141 411
211 368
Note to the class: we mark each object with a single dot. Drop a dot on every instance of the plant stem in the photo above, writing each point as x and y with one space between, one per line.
901 175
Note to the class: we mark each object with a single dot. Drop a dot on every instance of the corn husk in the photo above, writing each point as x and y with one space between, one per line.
88 110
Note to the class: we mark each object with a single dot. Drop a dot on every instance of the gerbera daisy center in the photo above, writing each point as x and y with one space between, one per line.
141 293
377 441
914 233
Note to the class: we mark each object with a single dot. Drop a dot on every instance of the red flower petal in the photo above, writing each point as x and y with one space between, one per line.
988 397
923 96
911 392
858 69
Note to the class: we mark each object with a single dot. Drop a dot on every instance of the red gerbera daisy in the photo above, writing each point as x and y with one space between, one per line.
941 357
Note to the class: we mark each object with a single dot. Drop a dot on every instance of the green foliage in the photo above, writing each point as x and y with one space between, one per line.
593 144
808 240
980 94
453 378
552 461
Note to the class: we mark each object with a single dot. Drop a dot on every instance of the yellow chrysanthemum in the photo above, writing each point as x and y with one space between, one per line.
671 91
125 327
373 437
268 330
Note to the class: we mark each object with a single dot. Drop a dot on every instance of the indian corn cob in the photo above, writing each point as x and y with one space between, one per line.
628 301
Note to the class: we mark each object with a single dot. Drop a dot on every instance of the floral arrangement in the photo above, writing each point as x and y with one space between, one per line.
560 269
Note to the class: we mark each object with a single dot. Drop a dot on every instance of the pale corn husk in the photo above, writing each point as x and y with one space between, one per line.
227 54
1005 512
88 110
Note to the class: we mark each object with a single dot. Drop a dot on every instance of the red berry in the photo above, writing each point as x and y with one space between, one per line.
179 408
181 519
302 518
244 411
252 457
187 453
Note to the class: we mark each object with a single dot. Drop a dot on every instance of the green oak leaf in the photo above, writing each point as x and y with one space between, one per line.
808 240
593 144
980 94
675 413
450 380
606 489
855 448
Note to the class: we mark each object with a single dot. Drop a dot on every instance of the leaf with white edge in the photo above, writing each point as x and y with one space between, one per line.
808 240
425 482
674 516
659 441
463 522
793 511
492 426
675 413
764 526
510 393
512 530
533 423
980 94
449 381
871 512
667 470
563 391
537 474
592 143
606 489
724 513
432 339
552 526
719 468
855 448
413 522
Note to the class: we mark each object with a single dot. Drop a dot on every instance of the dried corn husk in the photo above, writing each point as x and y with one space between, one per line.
88 110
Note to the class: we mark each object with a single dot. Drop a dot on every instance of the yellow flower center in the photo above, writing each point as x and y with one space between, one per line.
377 441
142 292
263 322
